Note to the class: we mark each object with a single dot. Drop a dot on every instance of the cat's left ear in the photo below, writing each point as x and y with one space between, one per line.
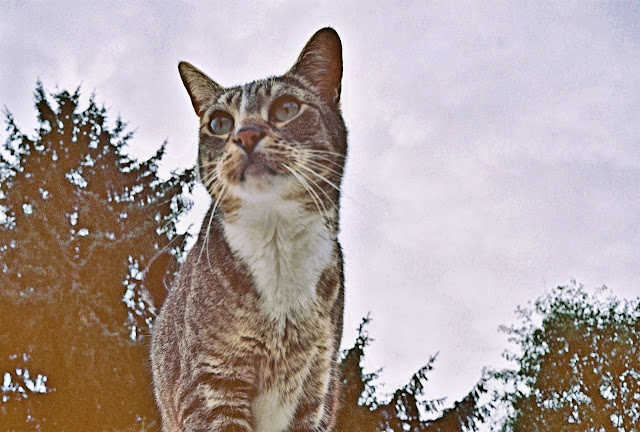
321 63
200 87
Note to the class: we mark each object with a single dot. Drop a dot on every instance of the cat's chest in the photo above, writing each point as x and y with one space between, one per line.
285 251
293 352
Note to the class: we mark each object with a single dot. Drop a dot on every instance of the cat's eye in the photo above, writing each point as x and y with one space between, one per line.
221 123
284 109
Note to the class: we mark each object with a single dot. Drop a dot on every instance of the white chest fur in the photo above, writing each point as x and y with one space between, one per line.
271 413
286 249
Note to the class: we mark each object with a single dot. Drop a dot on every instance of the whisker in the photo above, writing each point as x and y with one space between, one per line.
207 164
296 174
312 159
174 218
153 205
209 178
211 184
206 239
277 149
212 172
213 210
319 165
321 177
306 177
321 189
314 196
185 237
325 152
315 156
185 207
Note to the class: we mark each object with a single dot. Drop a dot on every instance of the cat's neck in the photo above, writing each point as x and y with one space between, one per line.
285 248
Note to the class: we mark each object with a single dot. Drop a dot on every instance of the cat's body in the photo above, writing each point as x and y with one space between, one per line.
248 338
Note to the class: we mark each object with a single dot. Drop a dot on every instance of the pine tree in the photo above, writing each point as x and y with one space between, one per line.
79 221
363 410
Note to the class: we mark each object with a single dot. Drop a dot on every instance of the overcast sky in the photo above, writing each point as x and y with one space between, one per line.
494 147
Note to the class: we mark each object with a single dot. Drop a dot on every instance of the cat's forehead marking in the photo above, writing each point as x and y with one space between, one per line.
242 109
229 95
252 97
276 87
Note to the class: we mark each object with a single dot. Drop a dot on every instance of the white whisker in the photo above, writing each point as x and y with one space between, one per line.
210 179
319 187
208 233
319 165
320 176
175 216
323 178
314 196
208 164
205 243
314 156
325 152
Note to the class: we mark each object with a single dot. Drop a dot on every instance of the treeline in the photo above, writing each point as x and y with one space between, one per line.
79 222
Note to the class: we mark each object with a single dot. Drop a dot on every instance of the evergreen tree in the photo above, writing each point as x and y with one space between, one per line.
79 220
362 410
577 364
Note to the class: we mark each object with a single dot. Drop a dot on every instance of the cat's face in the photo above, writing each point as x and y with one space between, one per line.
277 138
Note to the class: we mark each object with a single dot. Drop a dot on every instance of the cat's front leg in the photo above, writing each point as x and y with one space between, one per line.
219 399
318 405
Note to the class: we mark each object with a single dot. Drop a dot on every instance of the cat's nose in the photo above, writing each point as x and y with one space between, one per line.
248 138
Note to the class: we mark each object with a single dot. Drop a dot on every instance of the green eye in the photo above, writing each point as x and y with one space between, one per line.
285 109
221 123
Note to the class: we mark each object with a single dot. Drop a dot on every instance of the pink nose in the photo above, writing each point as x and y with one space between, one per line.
248 138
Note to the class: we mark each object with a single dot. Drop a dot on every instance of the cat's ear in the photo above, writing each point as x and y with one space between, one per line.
321 63
201 88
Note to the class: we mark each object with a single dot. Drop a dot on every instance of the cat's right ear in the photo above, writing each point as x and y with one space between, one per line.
201 88
320 63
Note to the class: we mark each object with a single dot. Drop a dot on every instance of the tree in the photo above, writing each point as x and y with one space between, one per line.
577 364
362 410
79 220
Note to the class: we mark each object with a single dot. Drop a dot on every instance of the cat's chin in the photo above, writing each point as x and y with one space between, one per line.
260 182
256 171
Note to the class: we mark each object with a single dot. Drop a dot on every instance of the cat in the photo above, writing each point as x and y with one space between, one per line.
248 338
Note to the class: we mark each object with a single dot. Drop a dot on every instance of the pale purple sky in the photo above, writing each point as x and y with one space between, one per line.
494 147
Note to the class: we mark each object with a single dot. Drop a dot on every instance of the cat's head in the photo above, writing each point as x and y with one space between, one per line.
280 138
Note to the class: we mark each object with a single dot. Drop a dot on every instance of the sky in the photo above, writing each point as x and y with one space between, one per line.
494 146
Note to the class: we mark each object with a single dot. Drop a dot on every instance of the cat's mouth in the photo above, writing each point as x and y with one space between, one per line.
254 167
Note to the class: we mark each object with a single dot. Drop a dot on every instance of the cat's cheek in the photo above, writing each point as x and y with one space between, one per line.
305 127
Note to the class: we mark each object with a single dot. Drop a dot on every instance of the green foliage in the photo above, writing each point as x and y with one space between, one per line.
79 219
578 364
363 411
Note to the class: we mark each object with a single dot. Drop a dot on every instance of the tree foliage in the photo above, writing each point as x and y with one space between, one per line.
79 220
364 410
577 364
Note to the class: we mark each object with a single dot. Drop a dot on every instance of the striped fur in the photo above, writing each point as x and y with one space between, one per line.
247 339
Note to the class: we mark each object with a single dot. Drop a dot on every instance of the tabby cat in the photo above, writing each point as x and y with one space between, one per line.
248 338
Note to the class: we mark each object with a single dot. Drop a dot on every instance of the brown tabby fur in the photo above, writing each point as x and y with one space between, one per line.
248 338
